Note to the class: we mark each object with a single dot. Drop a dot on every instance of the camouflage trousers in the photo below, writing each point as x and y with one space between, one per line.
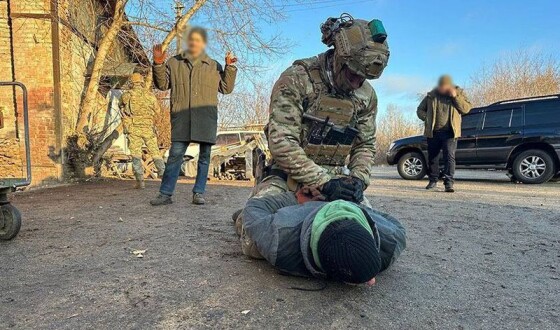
137 138
271 185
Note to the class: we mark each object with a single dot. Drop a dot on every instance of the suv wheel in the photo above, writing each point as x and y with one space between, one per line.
412 166
533 166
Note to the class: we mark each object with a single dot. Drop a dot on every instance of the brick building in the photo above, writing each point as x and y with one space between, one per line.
49 45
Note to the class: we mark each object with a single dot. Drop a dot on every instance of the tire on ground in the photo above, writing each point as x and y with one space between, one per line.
10 222
403 163
549 166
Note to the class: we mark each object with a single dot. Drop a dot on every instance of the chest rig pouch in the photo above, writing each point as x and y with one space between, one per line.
329 121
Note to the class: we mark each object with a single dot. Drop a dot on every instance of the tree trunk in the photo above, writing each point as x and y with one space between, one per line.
182 23
88 101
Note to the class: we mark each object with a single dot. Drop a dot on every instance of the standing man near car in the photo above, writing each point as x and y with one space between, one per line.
195 81
441 111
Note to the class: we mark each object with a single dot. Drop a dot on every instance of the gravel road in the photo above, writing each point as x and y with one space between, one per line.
486 257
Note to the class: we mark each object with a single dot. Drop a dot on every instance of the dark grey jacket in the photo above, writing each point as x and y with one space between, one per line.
281 230
194 95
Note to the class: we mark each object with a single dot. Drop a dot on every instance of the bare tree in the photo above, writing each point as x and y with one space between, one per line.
393 125
523 73
248 105
235 26
105 44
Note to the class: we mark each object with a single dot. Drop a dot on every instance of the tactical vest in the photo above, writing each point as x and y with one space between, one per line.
323 104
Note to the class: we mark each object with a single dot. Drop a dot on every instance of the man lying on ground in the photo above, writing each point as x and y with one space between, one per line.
339 240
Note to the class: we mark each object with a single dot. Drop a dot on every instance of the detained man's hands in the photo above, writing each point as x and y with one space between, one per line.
348 188
230 58
159 54
309 194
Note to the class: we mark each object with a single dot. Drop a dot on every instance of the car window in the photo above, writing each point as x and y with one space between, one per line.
542 113
225 139
497 119
471 122
517 118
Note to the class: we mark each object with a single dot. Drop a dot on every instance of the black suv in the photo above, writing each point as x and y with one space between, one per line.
521 136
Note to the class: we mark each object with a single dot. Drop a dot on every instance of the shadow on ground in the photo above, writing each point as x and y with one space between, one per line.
484 257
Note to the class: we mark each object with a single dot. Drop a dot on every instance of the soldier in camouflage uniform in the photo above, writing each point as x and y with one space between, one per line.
321 130
138 107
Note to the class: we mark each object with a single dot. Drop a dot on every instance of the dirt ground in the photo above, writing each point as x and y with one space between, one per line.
484 257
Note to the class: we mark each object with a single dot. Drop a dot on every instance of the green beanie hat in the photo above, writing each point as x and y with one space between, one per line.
342 243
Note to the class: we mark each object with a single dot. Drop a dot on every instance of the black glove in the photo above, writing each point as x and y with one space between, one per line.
349 189
360 186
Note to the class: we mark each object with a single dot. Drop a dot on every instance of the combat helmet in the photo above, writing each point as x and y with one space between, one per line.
358 44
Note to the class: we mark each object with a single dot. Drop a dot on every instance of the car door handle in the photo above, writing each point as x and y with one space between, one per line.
515 132
469 136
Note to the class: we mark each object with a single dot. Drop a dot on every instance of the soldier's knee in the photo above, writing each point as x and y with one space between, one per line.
271 185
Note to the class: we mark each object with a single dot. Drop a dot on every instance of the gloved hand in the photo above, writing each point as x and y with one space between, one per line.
348 188
308 194
159 54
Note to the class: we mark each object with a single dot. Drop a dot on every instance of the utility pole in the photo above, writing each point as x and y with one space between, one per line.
179 7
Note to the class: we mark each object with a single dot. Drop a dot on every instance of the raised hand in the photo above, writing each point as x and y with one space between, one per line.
159 54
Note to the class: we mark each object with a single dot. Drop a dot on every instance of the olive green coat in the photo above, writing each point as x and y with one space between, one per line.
427 113
194 95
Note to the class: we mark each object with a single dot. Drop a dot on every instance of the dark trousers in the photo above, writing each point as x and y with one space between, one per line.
442 140
173 167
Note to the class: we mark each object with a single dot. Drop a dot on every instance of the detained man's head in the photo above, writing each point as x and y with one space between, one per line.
346 249
197 39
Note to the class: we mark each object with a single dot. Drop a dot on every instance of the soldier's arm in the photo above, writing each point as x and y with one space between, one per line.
285 125
422 110
123 104
227 75
461 102
161 76
363 150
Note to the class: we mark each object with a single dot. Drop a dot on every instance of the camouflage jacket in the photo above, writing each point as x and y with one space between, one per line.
138 107
297 92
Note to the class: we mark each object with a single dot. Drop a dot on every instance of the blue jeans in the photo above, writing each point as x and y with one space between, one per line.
173 168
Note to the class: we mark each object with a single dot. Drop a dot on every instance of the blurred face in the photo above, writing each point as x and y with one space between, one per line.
195 45
444 88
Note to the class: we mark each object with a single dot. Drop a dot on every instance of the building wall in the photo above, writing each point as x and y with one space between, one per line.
31 60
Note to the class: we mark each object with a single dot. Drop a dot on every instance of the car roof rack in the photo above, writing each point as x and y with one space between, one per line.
530 98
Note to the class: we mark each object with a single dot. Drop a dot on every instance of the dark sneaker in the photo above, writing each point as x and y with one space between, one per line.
139 185
161 199
431 185
198 199
449 187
